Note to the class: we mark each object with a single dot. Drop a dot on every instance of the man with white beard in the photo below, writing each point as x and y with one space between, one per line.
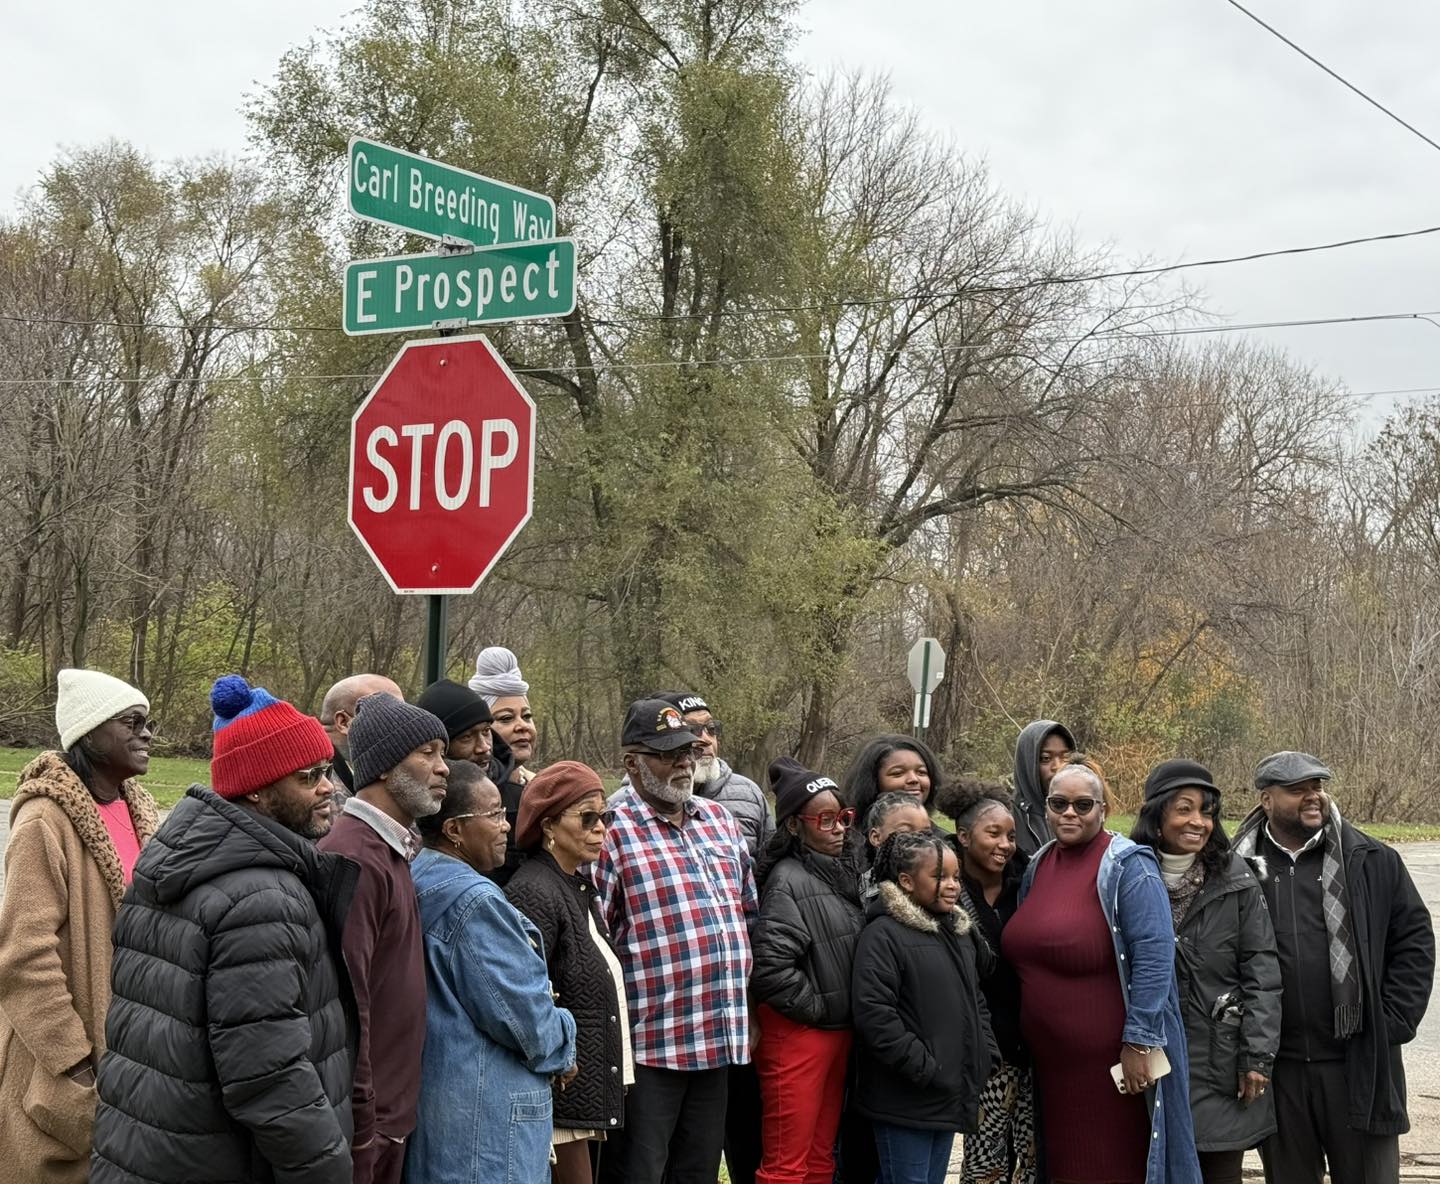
716 780
676 885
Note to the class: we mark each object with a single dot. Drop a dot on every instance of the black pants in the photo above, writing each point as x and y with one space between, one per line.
674 1129
742 1125
1222 1167
1312 1116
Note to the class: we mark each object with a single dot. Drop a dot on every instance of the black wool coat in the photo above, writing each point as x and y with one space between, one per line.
558 903
804 941
922 1035
232 1027
1229 979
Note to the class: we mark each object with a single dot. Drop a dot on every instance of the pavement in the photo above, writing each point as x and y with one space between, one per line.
1420 1149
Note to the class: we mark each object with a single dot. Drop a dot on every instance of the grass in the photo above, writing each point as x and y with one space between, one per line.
167 781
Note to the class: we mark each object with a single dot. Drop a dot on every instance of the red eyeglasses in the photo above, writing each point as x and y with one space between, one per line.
830 819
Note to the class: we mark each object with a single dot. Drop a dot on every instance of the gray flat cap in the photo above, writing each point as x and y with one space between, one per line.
1287 768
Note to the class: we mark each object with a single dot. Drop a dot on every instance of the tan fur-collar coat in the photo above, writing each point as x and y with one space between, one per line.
63 883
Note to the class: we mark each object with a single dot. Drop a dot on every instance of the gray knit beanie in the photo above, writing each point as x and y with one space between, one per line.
387 730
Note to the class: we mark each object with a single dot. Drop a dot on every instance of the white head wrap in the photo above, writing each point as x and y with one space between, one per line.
497 675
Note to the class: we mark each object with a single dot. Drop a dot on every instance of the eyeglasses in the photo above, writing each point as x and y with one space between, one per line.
830 819
711 727
137 722
1081 806
673 757
311 776
588 818
489 815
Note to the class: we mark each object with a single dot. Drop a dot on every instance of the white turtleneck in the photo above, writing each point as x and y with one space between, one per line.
1174 867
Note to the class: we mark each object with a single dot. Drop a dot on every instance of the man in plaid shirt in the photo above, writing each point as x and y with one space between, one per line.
677 888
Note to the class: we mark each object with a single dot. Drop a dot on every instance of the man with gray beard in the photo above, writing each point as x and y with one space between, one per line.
397 756
676 885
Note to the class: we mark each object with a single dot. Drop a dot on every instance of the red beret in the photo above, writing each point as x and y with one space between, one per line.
550 792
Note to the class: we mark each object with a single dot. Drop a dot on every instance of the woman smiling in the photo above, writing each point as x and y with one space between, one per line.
1226 963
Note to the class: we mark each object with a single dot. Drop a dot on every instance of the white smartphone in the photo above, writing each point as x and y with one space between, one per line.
1157 1064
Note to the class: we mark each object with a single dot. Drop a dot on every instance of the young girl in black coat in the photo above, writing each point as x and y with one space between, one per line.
925 1047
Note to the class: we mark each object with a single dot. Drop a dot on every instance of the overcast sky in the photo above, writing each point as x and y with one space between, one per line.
1165 129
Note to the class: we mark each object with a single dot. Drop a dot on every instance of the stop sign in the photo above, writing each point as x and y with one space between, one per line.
442 465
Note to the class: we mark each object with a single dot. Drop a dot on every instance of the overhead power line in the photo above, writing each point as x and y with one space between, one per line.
670 363
1345 82
774 310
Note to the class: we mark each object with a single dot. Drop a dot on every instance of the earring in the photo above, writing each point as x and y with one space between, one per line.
550 844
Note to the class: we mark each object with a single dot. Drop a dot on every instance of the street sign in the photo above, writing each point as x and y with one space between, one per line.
926 666
519 282
398 188
442 465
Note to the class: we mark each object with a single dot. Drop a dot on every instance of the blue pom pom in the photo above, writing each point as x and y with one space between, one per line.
230 696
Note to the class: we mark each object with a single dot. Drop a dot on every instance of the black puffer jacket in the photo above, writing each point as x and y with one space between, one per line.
558 902
922 1035
1229 978
804 941
232 1028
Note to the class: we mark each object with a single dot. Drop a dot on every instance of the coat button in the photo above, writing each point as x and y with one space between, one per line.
613 1069
613 1020
613 1122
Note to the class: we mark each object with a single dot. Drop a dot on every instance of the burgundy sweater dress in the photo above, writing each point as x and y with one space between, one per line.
1072 1015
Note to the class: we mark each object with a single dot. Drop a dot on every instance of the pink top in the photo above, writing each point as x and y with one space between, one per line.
116 817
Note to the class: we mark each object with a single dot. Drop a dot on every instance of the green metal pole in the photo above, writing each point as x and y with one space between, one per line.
924 694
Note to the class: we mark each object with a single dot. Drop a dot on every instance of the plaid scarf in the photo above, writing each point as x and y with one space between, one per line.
1344 962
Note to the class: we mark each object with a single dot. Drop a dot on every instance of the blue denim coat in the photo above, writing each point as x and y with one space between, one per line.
1137 909
493 1035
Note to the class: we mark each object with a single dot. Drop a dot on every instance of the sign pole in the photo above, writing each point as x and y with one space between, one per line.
922 713
437 614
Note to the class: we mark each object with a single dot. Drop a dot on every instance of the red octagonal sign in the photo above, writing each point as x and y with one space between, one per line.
442 465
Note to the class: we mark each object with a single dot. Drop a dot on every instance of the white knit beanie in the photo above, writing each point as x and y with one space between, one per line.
87 699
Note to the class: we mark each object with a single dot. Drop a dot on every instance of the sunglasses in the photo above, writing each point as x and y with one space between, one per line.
137 722
711 728
673 757
830 819
310 777
1081 806
588 818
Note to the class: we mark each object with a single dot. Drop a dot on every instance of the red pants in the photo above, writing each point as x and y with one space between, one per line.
802 1087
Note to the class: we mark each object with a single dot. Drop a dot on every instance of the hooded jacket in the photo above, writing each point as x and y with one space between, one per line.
745 800
804 941
65 885
1225 949
232 1028
1031 830
922 1037
1395 943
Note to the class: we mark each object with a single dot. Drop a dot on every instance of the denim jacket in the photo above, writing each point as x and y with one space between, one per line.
493 1035
1137 909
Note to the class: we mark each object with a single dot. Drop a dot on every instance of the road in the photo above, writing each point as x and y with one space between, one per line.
1421 1147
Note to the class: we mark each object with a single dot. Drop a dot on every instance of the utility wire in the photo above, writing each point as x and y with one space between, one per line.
670 363
1379 106
855 302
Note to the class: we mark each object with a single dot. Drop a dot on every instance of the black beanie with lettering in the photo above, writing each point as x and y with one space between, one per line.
794 785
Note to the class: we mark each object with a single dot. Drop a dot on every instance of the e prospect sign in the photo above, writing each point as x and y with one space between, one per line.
518 282
398 188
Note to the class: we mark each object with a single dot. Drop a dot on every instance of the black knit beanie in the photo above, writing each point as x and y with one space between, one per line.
458 708
387 730
794 785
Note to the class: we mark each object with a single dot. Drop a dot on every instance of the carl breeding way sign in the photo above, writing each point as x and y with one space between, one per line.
398 188
442 465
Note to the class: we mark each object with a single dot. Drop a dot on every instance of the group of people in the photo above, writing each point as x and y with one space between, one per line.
380 946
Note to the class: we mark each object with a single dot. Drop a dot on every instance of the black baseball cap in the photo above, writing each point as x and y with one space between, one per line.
656 725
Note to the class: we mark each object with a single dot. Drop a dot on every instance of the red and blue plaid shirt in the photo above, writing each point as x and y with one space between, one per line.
679 899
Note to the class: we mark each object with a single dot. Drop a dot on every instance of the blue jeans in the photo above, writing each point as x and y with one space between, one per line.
912 1156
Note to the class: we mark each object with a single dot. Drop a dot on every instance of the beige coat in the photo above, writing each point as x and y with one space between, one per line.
63 883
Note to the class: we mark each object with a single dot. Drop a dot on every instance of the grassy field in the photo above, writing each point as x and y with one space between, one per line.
170 777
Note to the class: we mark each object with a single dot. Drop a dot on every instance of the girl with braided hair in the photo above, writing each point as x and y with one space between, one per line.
1003 1150
924 1048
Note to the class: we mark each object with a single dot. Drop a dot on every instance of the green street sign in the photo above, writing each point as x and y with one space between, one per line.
517 282
398 188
